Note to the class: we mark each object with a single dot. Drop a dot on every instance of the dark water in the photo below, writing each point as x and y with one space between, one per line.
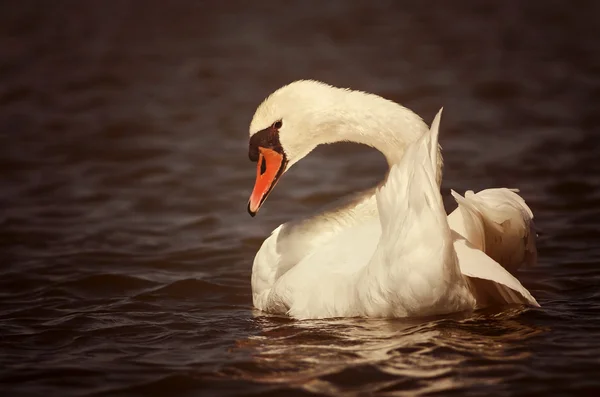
125 245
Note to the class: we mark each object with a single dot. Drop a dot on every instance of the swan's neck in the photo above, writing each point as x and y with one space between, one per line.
370 120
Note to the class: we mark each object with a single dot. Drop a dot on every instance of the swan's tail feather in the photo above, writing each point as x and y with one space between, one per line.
499 223
473 222
494 236
489 282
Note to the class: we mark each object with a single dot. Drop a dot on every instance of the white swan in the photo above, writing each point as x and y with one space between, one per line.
385 252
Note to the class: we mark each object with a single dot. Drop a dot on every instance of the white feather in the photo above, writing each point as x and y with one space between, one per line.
498 222
490 282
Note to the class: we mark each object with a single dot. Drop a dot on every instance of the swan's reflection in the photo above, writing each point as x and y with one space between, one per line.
360 355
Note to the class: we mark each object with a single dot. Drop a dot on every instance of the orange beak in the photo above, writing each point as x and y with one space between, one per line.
269 168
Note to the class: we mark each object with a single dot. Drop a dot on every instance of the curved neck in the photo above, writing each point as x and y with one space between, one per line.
371 120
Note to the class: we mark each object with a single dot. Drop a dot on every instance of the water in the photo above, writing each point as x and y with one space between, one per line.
125 245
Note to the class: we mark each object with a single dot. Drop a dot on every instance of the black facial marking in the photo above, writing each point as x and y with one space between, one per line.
267 138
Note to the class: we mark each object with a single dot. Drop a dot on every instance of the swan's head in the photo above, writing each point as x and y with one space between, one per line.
284 129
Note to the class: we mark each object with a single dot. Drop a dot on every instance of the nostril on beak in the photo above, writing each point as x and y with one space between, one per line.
263 165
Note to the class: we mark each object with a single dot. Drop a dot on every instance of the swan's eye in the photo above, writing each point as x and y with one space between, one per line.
277 125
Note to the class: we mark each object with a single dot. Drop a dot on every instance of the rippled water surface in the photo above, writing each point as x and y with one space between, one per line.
125 245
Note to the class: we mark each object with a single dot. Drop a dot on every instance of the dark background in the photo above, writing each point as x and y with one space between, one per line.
125 246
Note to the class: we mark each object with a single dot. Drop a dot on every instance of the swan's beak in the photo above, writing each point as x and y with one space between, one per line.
269 168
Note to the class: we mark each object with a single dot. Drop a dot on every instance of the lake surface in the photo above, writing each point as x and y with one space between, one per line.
125 245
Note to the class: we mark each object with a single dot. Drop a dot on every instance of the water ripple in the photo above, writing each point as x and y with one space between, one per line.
125 245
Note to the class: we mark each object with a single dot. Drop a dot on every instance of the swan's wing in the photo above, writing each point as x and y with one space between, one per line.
409 204
323 283
499 223
413 270
490 282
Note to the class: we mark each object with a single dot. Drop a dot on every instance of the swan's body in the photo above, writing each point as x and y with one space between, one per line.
390 251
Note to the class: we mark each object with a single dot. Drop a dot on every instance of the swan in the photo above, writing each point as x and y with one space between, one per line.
390 251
